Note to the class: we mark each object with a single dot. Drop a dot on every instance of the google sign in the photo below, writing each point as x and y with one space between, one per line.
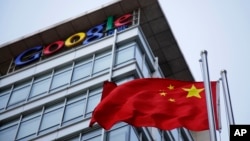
76 39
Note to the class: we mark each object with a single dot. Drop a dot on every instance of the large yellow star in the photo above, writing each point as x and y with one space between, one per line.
193 91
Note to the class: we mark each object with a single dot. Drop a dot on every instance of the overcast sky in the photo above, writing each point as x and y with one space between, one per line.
220 27
223 29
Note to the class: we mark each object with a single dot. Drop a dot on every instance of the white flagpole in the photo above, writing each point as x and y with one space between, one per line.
210 110
227 97
218 104
112 55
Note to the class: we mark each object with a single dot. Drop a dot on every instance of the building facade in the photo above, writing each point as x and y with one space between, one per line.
51 83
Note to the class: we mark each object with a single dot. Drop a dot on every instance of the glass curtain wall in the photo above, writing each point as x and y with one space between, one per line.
71 74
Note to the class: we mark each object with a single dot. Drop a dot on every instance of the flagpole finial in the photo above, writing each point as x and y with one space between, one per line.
223 71
204 52
228 103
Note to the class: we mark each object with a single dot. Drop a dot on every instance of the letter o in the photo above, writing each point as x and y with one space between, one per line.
52 48
75 39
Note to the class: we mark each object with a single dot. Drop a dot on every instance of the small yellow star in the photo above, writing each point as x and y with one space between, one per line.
170 87
163 93
193 91
171 99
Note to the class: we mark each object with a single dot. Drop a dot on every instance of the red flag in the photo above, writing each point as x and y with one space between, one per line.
161 103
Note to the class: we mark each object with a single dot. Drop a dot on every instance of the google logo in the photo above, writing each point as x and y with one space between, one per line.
76 39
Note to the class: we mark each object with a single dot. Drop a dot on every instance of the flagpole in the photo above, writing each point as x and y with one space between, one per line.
112 55
111 70
218 104
227 97
210 110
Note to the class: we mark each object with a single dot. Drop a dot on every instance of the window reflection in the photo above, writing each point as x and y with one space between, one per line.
28 127
102 63
74 110
120 134
82 71
4 96
8 133
124 54
40 87
93 99
19 94
51 118
60 79
92 136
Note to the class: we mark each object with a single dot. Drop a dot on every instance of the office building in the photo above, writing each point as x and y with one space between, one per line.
52 80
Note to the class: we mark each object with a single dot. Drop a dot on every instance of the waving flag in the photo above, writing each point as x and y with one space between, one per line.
162 103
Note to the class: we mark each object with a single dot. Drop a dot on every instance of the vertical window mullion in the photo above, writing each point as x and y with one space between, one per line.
92 67
31 85
8 100
40 122
86 103
18 126
143 61
79 137
129 132
134 51
71 73
51 79
63 112
85 108
72 70
142 66
104 135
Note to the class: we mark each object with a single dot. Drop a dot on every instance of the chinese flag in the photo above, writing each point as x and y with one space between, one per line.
156 102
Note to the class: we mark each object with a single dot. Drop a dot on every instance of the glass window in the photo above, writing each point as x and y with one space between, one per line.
8 131
92 102
28 127
145 70
19 94
98 138
8 134
124 80
51 118
74 110
139 58
176 134
40 87
72 139
186 135
156 133
4 96
92 136
102 63
125 54
61 79
120 134
93 99
133 135
82 71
